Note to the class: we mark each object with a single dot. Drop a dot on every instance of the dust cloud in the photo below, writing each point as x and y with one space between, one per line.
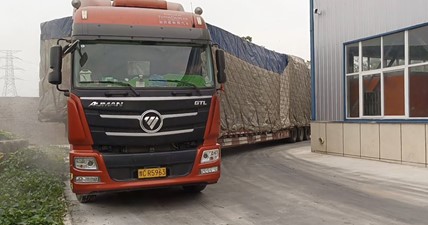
19 115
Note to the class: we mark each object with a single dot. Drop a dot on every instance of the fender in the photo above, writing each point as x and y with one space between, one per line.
79 134
213 124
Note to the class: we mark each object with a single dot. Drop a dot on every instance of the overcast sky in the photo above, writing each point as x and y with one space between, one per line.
279 25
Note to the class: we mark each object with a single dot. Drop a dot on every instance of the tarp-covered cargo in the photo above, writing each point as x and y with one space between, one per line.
53 104
265 92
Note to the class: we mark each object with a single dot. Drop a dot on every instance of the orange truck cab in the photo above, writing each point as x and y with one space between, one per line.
143 104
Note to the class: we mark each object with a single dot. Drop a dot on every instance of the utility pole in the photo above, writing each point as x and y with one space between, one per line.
9 88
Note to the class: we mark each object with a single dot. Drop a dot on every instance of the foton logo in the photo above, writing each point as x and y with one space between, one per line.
106 104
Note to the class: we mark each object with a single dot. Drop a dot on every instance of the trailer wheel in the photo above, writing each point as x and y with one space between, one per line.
85 198
300 134
293 135
307 133
194 188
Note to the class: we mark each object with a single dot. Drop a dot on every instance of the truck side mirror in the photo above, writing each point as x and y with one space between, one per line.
221 66
55 76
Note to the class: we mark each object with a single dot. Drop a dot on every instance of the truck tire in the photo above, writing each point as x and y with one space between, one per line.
194 188
307 133
293 135
300 134
85 198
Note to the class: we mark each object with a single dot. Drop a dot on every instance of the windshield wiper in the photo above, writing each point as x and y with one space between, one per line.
112 82
179 82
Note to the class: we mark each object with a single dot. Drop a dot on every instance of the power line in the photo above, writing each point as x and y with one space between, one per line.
9 88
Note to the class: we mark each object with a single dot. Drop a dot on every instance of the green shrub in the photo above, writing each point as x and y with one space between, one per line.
4 135
31 189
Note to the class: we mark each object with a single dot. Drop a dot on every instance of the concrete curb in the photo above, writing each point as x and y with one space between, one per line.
67 217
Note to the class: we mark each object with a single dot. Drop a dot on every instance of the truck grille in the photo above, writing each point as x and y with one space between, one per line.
147 122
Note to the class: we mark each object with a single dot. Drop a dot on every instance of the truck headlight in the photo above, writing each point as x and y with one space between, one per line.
209 156
209 170
85 163
82 180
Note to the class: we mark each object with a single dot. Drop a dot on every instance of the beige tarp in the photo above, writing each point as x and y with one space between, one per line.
258 101
53 104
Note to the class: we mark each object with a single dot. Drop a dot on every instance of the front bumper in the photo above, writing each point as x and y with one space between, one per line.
107 183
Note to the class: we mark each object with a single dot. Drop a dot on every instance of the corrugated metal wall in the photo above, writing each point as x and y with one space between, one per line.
342 21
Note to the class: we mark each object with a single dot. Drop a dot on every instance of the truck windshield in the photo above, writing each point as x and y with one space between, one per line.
142 65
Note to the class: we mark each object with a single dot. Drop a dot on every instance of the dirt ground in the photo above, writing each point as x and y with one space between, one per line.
19 116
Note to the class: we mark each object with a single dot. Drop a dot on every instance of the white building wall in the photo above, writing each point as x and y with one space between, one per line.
400 143
342 21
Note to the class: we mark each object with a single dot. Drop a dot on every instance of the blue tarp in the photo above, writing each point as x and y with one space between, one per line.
247 51
56 29
244 50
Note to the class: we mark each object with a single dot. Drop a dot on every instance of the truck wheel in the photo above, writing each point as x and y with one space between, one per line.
307 133
85 198
293 135
194 188
300 134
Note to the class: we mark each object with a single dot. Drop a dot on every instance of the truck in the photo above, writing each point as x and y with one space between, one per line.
143 101
144 97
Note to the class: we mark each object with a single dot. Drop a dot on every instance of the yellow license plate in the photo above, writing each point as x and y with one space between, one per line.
151 173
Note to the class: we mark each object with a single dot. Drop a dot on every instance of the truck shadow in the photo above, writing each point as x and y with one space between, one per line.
150 198
244 149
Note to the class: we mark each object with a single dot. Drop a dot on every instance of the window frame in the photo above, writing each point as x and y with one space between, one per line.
361 73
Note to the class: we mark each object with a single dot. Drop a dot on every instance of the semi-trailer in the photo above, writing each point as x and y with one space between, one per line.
141 87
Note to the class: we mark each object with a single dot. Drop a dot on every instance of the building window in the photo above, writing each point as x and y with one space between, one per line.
372 95
353 53
393 50
418 95
418 45
387 76
371 54
394 93
353 83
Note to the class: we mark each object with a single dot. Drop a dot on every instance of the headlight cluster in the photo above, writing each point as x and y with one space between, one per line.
209 156
85 163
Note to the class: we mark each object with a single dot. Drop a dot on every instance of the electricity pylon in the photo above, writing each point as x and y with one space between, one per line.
9 88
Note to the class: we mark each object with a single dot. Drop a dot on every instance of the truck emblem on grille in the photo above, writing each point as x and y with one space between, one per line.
106 104
200 103
151 121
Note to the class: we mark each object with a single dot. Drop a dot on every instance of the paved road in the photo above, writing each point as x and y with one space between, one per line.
277 184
